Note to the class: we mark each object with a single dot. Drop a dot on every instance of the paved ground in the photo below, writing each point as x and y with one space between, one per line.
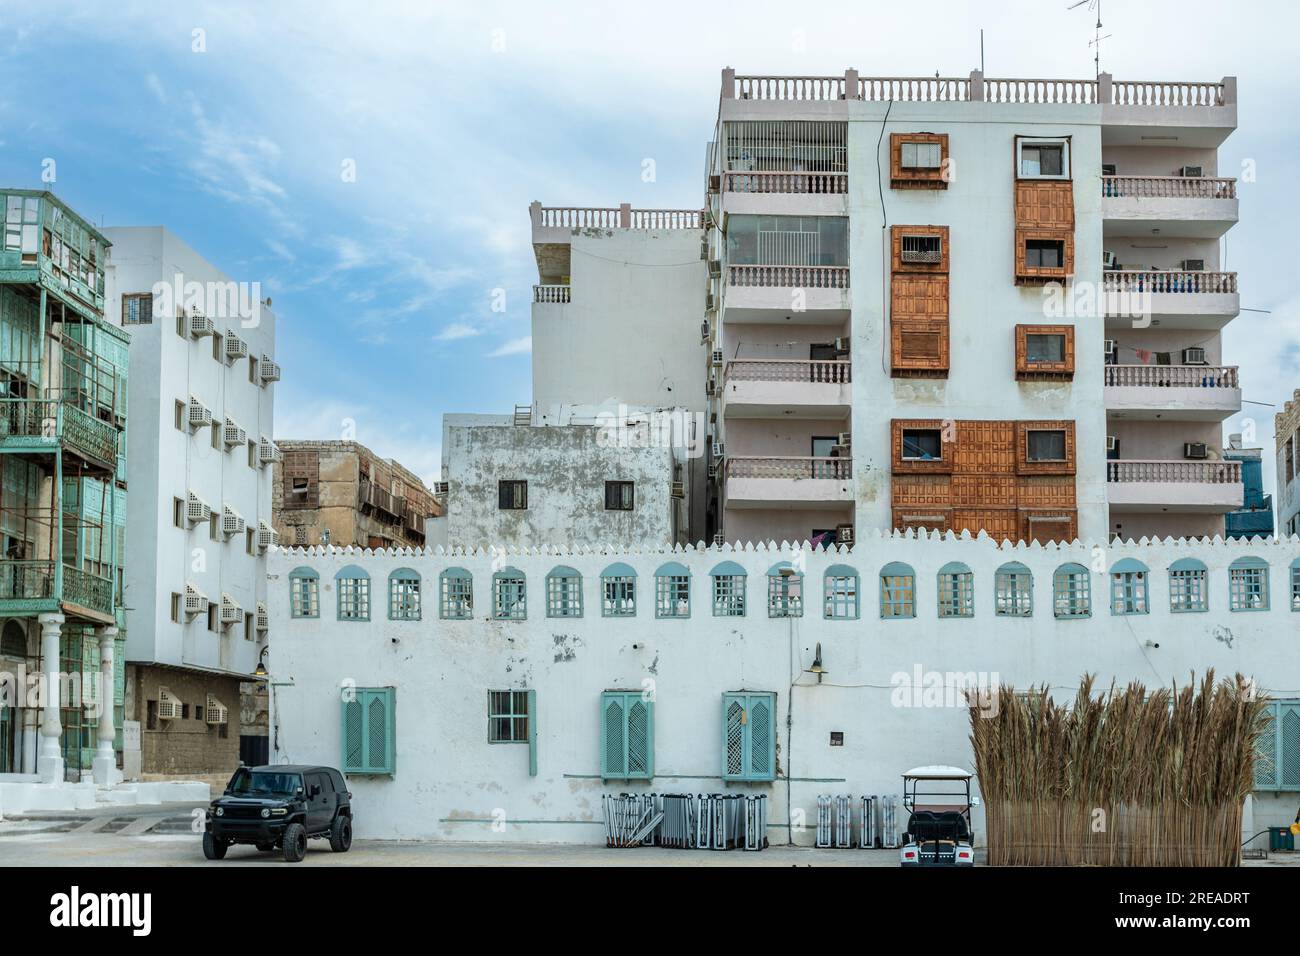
162 836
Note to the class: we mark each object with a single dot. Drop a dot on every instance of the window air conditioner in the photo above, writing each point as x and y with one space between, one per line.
215 713
236 348
1196 449
1194 356
200 326
231 522
169 705
196 509
844 534
195 601
1192 265
199 414
231 613
1192 171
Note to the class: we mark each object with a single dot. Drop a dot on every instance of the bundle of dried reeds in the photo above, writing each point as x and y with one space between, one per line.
1124 778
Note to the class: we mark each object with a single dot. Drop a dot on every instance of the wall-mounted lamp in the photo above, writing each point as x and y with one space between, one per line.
817 667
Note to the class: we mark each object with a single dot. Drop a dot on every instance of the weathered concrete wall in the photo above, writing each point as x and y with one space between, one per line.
186 745
450 784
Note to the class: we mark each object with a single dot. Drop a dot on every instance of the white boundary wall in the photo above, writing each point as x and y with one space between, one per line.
451 784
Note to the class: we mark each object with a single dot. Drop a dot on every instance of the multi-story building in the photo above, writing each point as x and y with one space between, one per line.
201 411
905 305
342 493
63 475
1286 434
1254 519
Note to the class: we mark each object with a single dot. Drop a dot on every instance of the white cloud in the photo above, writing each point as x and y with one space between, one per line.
513 347
457 330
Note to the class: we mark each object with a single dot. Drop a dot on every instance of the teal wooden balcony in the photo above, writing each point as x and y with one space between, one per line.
44 426
30 587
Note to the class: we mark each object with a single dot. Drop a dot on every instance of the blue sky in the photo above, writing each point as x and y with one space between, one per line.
457 115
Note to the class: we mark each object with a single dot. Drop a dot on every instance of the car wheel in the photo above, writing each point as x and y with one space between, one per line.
341 834
295 843
266 847
214 848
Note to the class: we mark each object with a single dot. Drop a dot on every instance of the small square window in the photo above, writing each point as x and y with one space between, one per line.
922 444
1045 253
507 716
619 495
512 495
1045 446
137 309
920 155
1044 159
922 249
1045 347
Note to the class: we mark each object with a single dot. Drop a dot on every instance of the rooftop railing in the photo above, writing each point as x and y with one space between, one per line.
613 217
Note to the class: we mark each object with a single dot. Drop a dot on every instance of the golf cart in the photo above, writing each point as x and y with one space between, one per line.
938 802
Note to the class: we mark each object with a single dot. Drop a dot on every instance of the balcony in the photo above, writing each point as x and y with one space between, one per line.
786 193
42 426
760 388
1179 206
791 482
28 587
1205 393
1185 300
551 294
552 224
1174 486
807 295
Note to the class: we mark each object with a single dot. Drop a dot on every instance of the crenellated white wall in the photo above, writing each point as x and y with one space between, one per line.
451 784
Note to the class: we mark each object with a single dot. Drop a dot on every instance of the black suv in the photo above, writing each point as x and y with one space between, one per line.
279 808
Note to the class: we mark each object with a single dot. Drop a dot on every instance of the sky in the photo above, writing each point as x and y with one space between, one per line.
371 164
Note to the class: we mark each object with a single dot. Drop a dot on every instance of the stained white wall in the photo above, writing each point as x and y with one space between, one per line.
164 463
450 784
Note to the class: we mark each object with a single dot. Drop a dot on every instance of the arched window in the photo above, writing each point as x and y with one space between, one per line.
13 640
784 590
1072 592
304 592
1248 585
728 580
897 590
1188 590
841 592
1129 578
673 590
455 595
1013 591
509 597
404 595
956 590
618 591
353 585
563 592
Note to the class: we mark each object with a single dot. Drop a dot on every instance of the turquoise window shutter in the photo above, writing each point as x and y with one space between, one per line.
626 736
613 746
1289 746
749 736
733 736
352 733
532 733
369 732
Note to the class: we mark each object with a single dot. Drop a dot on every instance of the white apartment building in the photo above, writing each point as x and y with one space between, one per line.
1286 434
611 449
890 343
200 430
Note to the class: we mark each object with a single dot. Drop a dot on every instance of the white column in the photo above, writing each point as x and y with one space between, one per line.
49 761
105 765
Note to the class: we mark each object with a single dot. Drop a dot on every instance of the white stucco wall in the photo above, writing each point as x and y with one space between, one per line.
164 463
450 784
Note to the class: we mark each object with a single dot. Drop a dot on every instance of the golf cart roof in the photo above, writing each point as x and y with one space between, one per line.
938 772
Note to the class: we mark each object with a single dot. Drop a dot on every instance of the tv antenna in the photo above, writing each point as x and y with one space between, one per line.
1095 43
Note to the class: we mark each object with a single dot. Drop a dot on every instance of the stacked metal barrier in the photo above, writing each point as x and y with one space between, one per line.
715 821
889 823
867 834
631 819
877 821
823 821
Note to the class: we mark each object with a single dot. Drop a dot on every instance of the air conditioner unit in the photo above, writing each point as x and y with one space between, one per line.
844 438
215 713
1112 443
717 450
231 613
710 386
263 617
842 346
266 536
268 370
1194 356
715 182
717 358
199 414
169 705
196 602
710 302
236 348
715 267
196 509
1108 169
200 326
231 522
719 538
1192 171
1196 449
844 534
677 489
704 332
1109 260
1112 349
1192 265
232 434
268 452
440 489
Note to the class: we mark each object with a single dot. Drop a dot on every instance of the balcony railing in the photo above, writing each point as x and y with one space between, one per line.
620 217
1105 90
1185 472
794 277
836 469
829 372
551 293
1168 187
34 581
802 183
1171 376
45 419
1170 282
